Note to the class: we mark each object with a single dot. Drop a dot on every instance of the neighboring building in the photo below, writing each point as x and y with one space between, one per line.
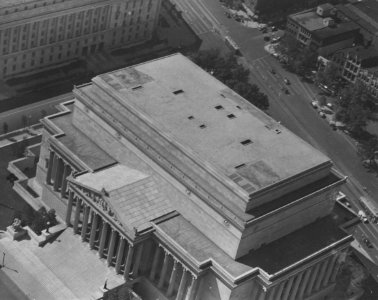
36 34
365 14
323 29
190 191
273 6
356 64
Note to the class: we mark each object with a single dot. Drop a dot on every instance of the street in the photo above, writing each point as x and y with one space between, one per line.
293 110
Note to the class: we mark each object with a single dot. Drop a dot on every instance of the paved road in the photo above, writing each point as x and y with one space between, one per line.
294 111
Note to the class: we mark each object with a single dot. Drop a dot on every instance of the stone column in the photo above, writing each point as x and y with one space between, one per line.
104 233
192 289
54 167
329 270
312 279
271 293
77 216
138 257
129 260
84 227
64 180
294 290
279 290
94 225
58 175
69 208
120 251
155 263
181 289
172 279
321 275
163 270
50 167
262 294
111 247
335 270
304 284
288 288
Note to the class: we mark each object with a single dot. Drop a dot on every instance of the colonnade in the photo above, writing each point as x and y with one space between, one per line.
171 276
305 283
103 237
57 172
165 272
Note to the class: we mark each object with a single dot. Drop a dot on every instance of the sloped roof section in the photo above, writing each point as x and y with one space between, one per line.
134 196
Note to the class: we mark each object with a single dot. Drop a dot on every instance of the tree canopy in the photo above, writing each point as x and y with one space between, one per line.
227 69
355 106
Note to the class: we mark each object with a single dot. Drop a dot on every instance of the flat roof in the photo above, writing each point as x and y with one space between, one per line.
6 3
202 116
368 8
80 145
182 234
295 246
309 19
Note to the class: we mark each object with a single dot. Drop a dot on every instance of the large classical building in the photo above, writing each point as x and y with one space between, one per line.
35 34
190 192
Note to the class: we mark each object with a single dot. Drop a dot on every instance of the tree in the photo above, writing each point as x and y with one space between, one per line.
354 107
5 127
227 69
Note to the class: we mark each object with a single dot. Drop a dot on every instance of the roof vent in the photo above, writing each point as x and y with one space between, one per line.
178 92
190 117
231 116
202 126
246 142
240 166
218 107
136 87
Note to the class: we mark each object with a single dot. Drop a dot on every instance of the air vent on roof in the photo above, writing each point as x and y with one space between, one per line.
136 87
246 142
178 92
190 117
240 166
219 107
202 126
231 116
237 106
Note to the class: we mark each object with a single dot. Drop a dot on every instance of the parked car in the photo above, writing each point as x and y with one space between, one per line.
287 81
314 104
322 114
330 105
273 71
368 243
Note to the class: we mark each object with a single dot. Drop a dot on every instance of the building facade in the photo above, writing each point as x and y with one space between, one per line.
36 34
323 29
357 64
190 192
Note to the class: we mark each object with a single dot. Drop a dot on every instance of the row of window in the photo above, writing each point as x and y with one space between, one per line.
26 7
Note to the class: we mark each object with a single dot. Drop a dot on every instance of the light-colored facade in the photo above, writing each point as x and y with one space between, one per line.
188 191
36 34
317 28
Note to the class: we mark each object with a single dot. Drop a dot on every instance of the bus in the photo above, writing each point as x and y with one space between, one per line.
370 208
230 43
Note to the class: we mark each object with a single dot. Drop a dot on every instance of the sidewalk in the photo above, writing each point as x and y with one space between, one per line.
65 269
